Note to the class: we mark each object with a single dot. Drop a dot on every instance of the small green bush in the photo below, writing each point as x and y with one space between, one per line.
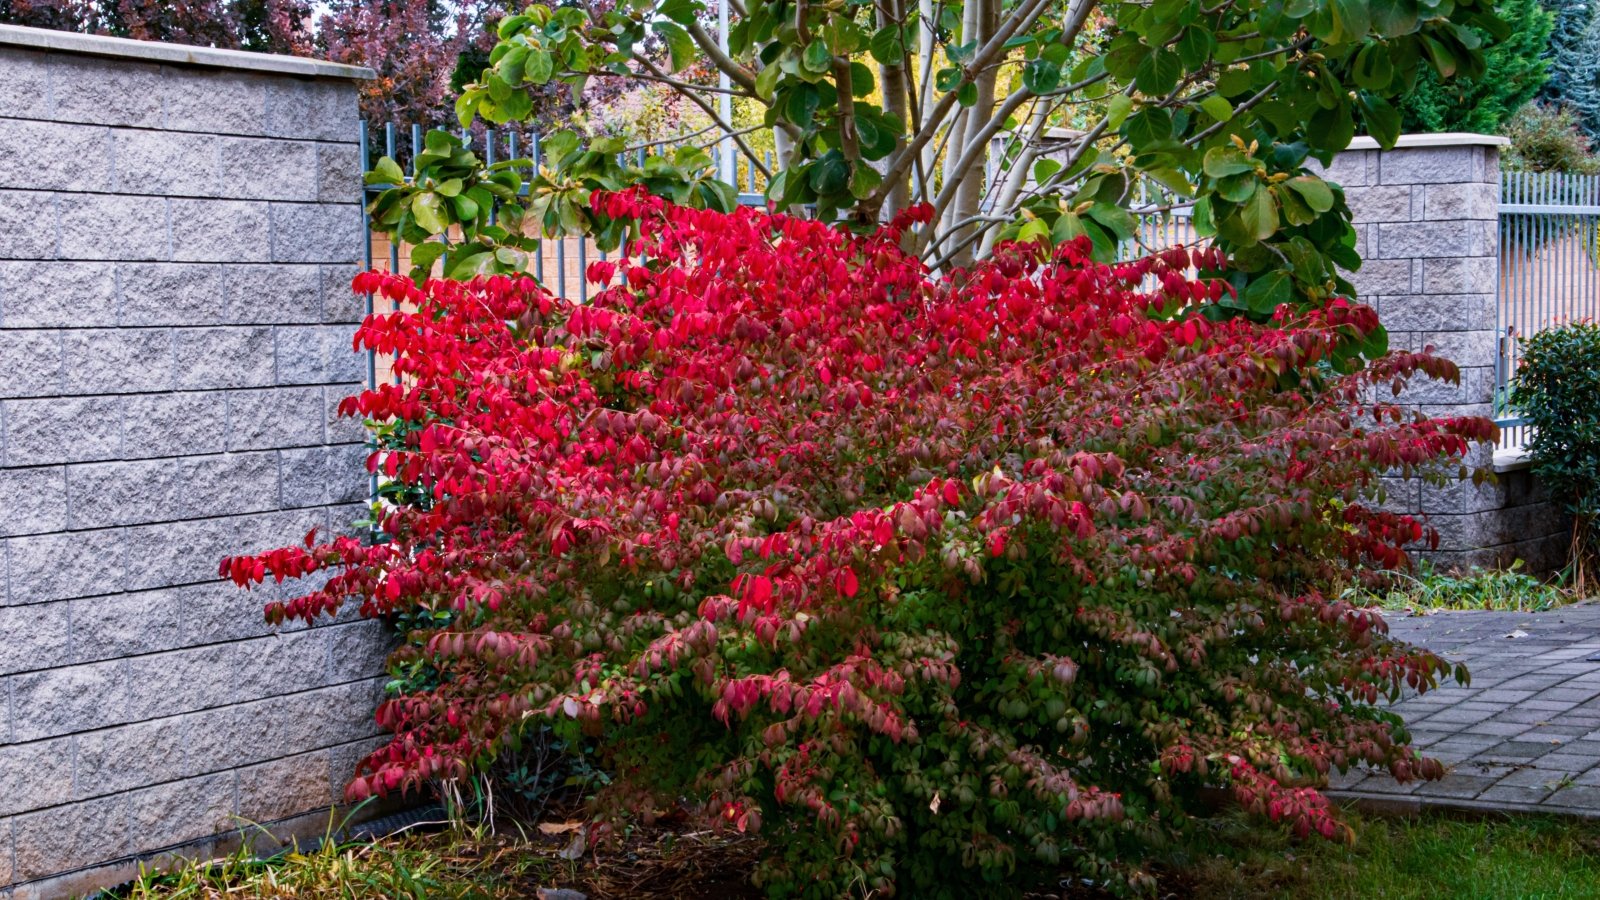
1558 392
1548 139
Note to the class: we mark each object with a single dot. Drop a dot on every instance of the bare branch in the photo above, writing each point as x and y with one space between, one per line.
711 111
726 64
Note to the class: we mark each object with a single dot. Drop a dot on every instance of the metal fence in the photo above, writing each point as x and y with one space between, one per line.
1549 269
559 263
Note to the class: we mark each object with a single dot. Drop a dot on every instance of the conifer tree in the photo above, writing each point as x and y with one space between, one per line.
1575 61
1515 71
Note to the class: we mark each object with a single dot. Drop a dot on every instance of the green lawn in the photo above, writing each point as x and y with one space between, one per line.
1499 858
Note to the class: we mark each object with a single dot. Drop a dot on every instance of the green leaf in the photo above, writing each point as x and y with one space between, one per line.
888 44
1149 126
428 209
1041 76
1381 118
1373 69
766 80
817 58
466 208
829 174
1066 228
802 106
1159 73
1033 231
471 265
1394 18
424 255
680 11
512 65
538 68
1217 107
1266 293
1117 220
680 46
1314 191
863 181
512 257
1237 188
1117 111
1223 161
1196 46
1332 129
387 171
1352 18
510 25
1259 215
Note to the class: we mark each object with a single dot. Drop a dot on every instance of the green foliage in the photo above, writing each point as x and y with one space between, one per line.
1514 73
1219 105
1548 139
479 219
1575 61
459 864
1415 858
1511 590
1555 392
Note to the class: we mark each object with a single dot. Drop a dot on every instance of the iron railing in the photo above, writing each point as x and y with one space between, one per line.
1549 270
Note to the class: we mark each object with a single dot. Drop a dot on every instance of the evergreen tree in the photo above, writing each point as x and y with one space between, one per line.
1516 70
1574 57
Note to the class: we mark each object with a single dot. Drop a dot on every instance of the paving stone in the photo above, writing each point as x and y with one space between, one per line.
1577 796
1497 728
1458 786
1515 795
1526 735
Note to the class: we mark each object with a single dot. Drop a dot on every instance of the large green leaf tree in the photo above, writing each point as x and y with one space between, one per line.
1032 119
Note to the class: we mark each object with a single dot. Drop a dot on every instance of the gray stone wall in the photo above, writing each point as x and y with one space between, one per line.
176 245
1427 213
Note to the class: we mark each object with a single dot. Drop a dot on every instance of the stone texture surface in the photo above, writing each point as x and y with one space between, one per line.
1429 224
163 403
1524 736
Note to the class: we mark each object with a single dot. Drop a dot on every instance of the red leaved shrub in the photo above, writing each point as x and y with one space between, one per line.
930 581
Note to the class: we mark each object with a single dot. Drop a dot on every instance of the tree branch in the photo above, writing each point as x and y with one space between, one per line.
724 63
985 56
709 110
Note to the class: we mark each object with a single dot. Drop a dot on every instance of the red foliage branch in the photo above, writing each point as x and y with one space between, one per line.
934 578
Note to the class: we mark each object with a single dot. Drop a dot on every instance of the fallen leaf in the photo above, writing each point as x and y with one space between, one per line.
1519 633
575 849
559 827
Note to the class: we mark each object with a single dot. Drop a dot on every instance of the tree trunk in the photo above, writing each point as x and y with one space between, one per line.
969 196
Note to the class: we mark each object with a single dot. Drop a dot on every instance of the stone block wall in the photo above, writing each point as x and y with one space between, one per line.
178 229
1427 216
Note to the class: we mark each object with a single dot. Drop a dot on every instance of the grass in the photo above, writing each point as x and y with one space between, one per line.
451 865
1506 590
1432 856
1496 858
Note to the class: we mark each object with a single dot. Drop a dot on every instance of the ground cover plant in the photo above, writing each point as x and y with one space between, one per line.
1225 859
1426 589
933 583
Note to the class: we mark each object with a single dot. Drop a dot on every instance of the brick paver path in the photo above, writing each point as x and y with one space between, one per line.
1525 735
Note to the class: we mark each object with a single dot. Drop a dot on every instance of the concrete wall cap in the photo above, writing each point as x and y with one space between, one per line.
176 54
1445 139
